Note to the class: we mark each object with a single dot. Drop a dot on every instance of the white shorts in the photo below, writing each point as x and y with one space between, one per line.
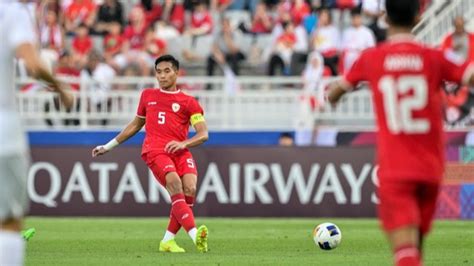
14 201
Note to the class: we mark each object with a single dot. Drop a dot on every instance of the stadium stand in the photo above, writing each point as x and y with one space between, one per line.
162 28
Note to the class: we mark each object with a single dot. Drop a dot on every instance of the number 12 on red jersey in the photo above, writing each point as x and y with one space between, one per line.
399 110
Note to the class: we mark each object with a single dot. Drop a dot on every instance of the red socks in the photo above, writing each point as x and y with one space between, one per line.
407 256
189 200
173 224
181 213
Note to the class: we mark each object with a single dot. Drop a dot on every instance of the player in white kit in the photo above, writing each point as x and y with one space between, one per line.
17 39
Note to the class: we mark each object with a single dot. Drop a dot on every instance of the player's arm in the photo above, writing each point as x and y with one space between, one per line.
131 129
201 136
356 74
33 63
337 89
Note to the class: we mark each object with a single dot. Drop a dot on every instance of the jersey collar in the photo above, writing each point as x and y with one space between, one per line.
402 37
170 92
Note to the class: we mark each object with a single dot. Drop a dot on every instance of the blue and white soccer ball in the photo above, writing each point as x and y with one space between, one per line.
327 236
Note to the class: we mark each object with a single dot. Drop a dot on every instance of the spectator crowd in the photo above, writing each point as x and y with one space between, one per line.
102 39
275 37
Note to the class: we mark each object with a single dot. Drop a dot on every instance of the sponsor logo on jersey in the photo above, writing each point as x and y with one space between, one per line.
175 107
151 103
168 166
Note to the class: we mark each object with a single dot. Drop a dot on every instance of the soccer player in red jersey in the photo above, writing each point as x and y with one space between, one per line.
166 114
405 78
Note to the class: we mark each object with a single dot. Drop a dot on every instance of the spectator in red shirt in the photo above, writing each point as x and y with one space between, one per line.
154 45
80 12
262 22
113 41
173 14
133 49
65 69
152 9
220 5
201 21
299 10
283 50
459 44
134 33
81 45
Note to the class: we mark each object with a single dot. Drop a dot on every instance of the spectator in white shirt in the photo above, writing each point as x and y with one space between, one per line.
327 40
355 39
52 39
102 74
374 10
290 47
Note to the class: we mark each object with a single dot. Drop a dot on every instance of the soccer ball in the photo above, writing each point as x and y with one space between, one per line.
327 236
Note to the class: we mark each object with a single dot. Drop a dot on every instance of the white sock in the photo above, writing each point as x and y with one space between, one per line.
192 233
168 236
12 248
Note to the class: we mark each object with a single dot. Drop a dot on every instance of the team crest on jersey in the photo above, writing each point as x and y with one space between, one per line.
175 107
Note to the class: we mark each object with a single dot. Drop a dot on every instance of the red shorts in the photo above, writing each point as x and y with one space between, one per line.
404 203
163 163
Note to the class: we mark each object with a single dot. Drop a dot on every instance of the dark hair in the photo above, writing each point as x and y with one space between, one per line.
402 12
286 24
82 25
147 4
167 58
357 11
286 135
328 11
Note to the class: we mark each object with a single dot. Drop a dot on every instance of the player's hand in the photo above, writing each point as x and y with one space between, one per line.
174 146
65 93
99 150
67 98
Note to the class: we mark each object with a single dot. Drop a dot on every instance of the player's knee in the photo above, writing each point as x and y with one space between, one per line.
174 186
408 235
190 190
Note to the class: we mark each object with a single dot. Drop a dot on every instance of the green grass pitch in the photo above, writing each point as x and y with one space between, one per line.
134 241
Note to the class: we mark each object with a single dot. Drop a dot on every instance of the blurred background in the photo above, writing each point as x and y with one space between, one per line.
259 68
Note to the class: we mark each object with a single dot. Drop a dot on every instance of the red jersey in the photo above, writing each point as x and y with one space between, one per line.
113 43
167 115
405 78
136 38
157 47
69 72
82 45
298 13
199 19
80 11
176 18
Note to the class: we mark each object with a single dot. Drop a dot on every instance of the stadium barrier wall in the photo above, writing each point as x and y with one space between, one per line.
233 182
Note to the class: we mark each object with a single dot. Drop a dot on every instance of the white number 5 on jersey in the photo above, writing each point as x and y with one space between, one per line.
190 163
399 110
161 118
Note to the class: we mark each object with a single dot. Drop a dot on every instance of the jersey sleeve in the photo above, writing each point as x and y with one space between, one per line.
141 110
22 30
455 70
357 72
196 114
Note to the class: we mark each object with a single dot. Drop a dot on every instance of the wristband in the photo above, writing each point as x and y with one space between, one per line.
111 144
